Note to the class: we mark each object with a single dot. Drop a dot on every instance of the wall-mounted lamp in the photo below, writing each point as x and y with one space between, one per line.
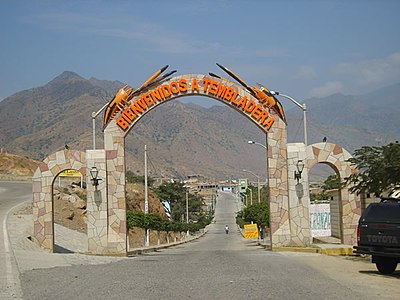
300 167
94 173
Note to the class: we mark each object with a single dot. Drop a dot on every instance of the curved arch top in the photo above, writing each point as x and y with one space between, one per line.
219 89
42 188
337 157
331 154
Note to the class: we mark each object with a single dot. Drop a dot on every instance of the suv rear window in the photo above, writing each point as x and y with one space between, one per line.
382 212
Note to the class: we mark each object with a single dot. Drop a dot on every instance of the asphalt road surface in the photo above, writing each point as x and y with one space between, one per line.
217 266
11 194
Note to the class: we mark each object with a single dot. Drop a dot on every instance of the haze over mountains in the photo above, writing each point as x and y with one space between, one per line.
185 138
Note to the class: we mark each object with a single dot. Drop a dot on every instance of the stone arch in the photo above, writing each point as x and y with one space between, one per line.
42 188
106 203
240 100
336 157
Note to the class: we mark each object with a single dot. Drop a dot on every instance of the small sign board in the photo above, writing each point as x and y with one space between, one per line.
243 185
70 173
250 231
320 218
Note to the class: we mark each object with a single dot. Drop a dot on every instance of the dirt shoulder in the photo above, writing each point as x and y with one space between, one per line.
354 272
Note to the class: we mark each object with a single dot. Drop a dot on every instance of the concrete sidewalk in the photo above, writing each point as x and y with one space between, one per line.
327 248
70 245
29 256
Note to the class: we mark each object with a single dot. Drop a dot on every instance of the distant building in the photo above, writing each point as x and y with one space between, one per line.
200 185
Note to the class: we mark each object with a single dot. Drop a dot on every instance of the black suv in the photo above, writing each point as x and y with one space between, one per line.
378 234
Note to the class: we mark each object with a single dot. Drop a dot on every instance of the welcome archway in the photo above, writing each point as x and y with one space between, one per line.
220 89
106 204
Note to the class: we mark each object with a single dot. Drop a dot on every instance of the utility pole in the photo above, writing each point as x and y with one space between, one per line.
146 196
187 210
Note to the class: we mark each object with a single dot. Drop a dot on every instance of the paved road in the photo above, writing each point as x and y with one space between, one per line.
11 194
217 266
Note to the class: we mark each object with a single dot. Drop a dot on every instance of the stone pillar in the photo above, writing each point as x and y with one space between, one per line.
351 212
299 197
42 208
278 185
96 203
114 145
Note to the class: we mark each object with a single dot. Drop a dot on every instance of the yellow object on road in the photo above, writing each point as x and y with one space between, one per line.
250 231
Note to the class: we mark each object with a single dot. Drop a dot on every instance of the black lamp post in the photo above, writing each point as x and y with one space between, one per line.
94 173
300 167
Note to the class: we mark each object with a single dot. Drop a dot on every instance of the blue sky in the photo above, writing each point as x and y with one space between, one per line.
300 48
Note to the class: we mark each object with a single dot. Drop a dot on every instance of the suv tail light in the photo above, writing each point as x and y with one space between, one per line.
358 235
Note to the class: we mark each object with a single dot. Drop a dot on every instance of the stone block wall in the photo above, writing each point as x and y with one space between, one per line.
278 185
42 189
299 197
114 145
97 225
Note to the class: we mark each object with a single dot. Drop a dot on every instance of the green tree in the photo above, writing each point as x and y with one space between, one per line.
155 222
175 194
264 194
257 213
132 178
319 196
332 182
378 169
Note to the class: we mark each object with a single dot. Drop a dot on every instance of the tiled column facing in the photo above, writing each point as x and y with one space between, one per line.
278 185
299 197
97 203
42 208
114 145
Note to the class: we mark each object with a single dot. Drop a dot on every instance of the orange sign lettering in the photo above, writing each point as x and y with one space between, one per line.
256 110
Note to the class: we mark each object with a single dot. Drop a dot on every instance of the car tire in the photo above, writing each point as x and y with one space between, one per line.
386 265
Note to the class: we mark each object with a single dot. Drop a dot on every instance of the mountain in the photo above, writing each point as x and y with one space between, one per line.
186 139
41 120
182 138
351 121
385 97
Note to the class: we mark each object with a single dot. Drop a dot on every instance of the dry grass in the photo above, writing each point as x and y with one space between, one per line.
14 167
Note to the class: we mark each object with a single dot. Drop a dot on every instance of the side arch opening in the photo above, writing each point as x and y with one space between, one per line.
42 188
69 212
349 204
325 203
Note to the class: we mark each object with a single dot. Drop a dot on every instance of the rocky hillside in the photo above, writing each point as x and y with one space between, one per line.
39 121
70 204
352 121
16 167
184 138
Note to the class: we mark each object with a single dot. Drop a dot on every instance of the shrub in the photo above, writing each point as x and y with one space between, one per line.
155 222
